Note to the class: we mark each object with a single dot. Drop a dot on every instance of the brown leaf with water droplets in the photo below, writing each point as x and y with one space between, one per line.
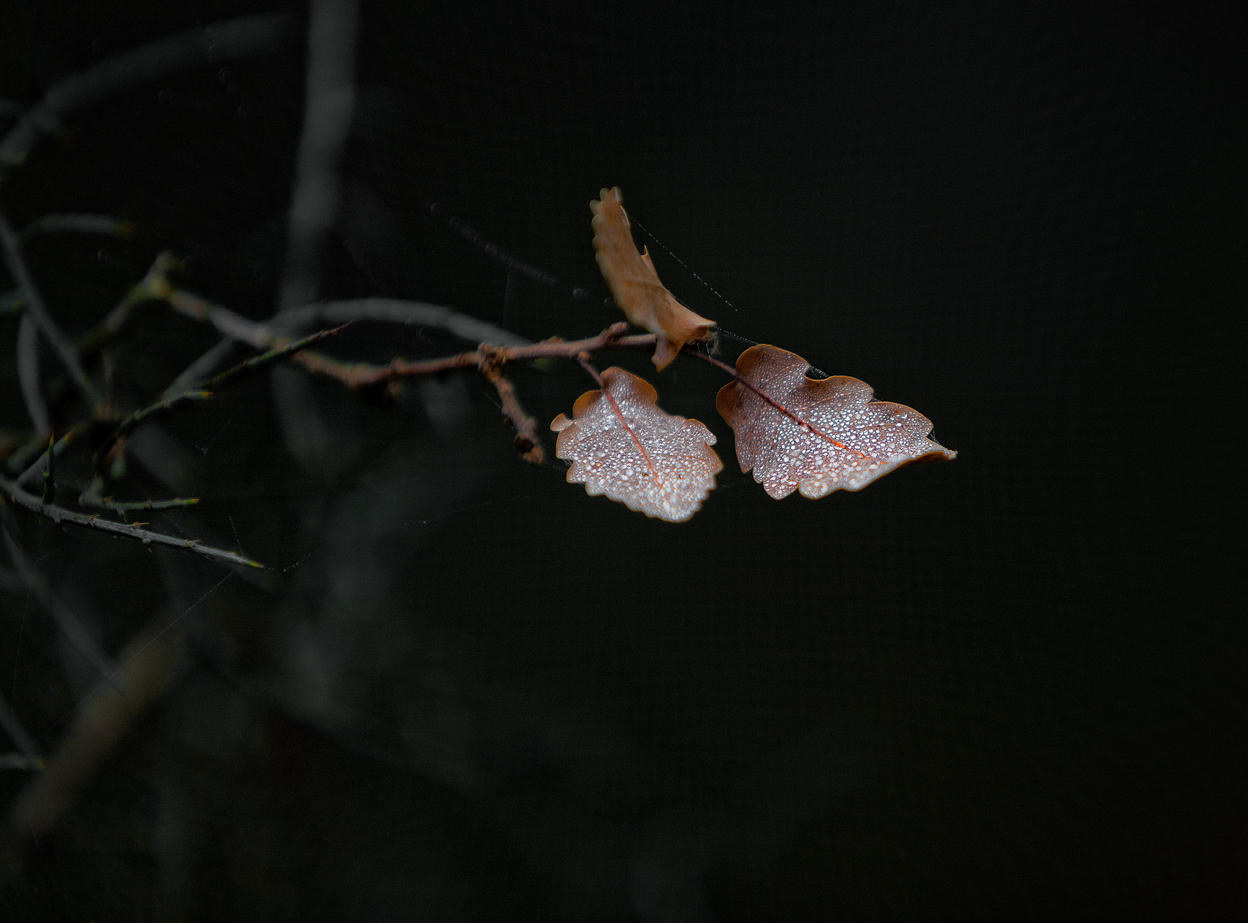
635 284
623 445
817 435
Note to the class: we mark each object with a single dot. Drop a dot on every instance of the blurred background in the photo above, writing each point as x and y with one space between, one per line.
1010 686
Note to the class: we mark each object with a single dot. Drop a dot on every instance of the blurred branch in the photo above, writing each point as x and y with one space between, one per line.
395 311
236 38
328 111
21 761
67 621
28 378
37 310
106 225
148 664
17 733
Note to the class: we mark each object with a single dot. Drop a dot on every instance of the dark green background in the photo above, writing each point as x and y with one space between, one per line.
1007 687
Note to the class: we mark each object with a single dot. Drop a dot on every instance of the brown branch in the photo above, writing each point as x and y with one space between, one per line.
527 442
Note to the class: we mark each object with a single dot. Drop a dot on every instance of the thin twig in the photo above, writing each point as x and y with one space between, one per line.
168 402
280 350
91 498
60 514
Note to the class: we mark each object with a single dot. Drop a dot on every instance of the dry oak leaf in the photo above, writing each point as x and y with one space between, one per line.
817 435
635 285
623 445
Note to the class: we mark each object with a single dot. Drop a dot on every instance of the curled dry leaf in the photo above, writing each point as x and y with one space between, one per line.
635 284
817 435
623 445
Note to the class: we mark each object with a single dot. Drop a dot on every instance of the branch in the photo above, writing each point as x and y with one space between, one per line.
91 498
106 225
28 375
362 375
156 286
328 111
59 514
148 664
67 621
168 402
37 450
396 311
527 442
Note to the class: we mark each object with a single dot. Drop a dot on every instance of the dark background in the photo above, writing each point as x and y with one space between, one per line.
1006 687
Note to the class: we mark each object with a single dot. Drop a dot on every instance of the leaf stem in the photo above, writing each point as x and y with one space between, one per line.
746 383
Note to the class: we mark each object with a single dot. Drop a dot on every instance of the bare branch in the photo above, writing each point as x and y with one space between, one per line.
60 514
168 402
91 498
